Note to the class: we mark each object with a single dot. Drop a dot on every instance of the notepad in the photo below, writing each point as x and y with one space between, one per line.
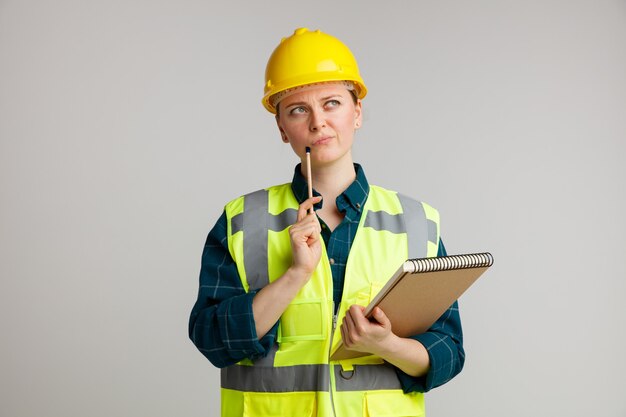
420 291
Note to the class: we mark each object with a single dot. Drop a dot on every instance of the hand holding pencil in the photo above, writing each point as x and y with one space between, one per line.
305 233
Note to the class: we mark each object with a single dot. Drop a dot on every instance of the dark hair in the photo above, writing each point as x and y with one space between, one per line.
352 93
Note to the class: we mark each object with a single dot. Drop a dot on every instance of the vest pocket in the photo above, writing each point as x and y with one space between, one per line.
393 404
303 321
256 404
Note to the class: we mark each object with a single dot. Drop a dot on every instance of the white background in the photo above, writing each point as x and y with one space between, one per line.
126 125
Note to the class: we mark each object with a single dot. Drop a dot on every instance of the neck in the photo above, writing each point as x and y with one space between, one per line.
332 180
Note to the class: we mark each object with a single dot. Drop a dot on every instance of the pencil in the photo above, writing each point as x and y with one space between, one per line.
309 180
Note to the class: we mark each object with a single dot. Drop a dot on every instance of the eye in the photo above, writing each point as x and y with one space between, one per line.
297 110
332 103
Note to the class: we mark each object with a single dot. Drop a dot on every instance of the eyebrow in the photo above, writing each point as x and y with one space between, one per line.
301 103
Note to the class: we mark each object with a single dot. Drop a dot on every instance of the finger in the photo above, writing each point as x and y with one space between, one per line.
307 233
380 316
307 219
306 205
360 321
357 310
311 222
350 324
310 225
345 336
306 223
348 328
313 235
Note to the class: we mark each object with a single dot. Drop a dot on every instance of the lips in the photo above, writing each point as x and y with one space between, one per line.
322 141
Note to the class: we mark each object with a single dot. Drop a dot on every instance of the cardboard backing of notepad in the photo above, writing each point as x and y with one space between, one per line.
416 300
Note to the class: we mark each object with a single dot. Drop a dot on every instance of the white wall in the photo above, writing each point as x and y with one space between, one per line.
120 122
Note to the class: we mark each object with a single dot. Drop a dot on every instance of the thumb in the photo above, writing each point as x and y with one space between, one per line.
381 317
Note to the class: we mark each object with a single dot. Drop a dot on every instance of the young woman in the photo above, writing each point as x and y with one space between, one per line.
285 276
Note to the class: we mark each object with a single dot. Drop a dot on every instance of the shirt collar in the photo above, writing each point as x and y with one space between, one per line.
353 197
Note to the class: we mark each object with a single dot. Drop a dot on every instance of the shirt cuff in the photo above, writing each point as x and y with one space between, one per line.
238 329
442 364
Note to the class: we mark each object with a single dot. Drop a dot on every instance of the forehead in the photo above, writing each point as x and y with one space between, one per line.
315 93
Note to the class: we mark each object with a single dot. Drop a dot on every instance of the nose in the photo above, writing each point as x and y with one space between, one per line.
316 120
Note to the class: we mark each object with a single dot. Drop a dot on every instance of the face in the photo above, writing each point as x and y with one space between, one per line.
323 118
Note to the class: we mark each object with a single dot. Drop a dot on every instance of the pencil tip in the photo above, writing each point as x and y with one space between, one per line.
308 149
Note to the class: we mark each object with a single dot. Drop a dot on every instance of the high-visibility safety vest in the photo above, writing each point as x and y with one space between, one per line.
297 377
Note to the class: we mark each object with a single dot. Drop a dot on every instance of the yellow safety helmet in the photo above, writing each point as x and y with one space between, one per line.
309 57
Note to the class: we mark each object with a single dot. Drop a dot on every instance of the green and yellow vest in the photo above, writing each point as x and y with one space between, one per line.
297 378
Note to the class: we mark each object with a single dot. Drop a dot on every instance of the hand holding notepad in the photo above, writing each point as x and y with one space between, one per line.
420 291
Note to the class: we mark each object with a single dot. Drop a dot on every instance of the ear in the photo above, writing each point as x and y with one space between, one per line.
281 130
358 114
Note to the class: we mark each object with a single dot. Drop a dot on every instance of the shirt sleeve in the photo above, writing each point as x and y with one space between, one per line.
221 324
444 343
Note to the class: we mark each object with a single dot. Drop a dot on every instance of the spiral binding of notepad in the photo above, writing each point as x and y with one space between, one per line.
446 263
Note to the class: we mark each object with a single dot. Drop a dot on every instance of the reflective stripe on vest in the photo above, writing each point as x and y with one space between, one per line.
367 378
276 379
298 378
256 220
412 221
